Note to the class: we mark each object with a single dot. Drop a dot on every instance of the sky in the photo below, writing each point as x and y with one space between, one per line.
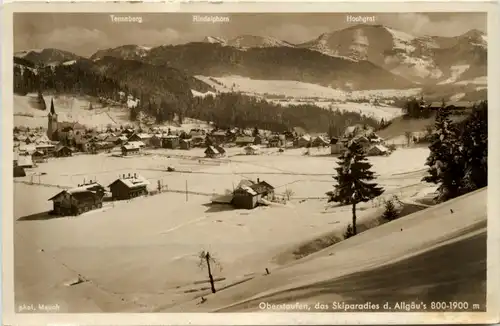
85 33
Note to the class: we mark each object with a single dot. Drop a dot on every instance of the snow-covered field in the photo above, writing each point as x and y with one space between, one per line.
68 108
145 251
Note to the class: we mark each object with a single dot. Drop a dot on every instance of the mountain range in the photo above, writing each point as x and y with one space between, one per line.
357 57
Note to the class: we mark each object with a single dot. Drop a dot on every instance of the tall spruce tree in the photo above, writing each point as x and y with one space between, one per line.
446 164
41 101
353 176
475 148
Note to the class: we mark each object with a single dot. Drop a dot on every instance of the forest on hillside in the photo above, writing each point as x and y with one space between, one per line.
165 93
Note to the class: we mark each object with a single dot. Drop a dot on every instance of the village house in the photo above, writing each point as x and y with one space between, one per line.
377 150
303 141
130 149
185 144
46 148
82 144
198 141
126 187
170 141
258 139
38 157
156 140
25 161
139 144
337 146
113 139
249 194
219 137
244 140
63 151
273 141
122 139
252 150
214 152
78 200
320 141
142 137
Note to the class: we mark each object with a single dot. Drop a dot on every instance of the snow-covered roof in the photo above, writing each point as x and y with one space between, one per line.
131 145
27 148
132 181
24 160
144 136
306 137
252 147
212 149
136 143
249 190
83 188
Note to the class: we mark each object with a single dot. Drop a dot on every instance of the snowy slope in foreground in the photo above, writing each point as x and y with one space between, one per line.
427 252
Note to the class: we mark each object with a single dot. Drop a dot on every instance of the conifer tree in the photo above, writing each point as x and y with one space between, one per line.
475 148
446 165
353 176
41 101
390 212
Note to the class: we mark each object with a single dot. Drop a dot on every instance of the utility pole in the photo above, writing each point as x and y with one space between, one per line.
186 190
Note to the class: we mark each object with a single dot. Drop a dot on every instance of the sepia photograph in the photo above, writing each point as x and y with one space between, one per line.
200 162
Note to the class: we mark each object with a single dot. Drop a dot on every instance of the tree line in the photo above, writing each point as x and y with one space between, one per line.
458 163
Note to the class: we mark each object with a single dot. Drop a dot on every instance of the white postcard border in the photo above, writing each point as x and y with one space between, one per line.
493 289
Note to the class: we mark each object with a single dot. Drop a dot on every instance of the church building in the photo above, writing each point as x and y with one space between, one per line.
63 132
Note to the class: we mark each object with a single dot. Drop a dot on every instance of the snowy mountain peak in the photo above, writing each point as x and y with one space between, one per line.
214 39
127 52
46 56
252 41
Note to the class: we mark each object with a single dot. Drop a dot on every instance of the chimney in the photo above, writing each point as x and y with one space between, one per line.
258 180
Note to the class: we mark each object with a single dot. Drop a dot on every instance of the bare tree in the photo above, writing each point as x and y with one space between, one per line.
289 193
206 260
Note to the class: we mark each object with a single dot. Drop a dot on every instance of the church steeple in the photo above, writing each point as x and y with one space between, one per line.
52 126
52 110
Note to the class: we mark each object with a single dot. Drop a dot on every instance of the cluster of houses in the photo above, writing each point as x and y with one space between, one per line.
372 144
90 195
